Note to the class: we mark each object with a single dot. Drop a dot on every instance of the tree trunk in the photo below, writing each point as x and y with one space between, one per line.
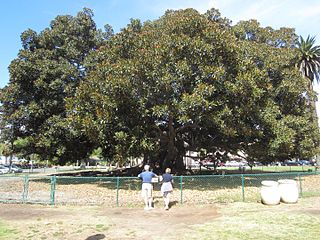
314 110
313 107
215 165
174 157
179 165
171 148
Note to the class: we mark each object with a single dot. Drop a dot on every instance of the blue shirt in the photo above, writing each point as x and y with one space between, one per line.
146 176
166 177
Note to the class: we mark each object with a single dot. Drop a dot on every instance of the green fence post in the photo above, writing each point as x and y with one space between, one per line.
300 184
25 189
242 185
181 200
53 190
118 183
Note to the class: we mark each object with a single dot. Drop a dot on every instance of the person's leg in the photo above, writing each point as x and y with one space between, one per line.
168 200
165 200
149 194
146 201
150 201
145 196
150 197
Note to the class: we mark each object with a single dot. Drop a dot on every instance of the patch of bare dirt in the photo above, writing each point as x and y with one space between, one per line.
313 211
176 215
312 208
93 223
21 212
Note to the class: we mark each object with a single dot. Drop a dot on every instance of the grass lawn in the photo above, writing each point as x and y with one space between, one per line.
263 169
6 232
284 168
257 221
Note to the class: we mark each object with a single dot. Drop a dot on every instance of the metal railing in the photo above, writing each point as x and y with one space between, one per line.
125 191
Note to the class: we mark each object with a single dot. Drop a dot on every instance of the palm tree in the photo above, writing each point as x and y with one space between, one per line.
309 65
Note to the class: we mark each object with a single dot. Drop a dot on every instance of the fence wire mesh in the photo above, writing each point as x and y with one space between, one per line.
126 191
85 190
38 190
12 189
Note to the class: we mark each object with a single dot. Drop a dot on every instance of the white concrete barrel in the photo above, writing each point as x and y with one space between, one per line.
289 191
270 194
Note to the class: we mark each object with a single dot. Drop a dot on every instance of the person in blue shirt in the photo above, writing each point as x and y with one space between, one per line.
166 187
147 186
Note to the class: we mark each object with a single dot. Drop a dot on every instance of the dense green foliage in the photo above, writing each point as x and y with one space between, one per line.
158 89
46 71
6 232
291 130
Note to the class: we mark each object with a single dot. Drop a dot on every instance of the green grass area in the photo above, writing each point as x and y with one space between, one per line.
284 168
6 232
256 221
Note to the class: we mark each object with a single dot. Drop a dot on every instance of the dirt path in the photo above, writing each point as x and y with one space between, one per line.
100 222
93 223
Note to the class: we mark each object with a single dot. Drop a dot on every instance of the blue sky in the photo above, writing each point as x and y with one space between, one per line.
18 15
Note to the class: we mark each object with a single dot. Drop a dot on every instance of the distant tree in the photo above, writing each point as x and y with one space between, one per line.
6 151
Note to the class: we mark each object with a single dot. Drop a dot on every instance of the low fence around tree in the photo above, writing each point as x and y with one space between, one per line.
125 191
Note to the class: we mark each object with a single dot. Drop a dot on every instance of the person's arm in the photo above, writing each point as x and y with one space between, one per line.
160 178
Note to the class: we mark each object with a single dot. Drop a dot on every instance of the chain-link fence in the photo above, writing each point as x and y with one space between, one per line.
125 191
